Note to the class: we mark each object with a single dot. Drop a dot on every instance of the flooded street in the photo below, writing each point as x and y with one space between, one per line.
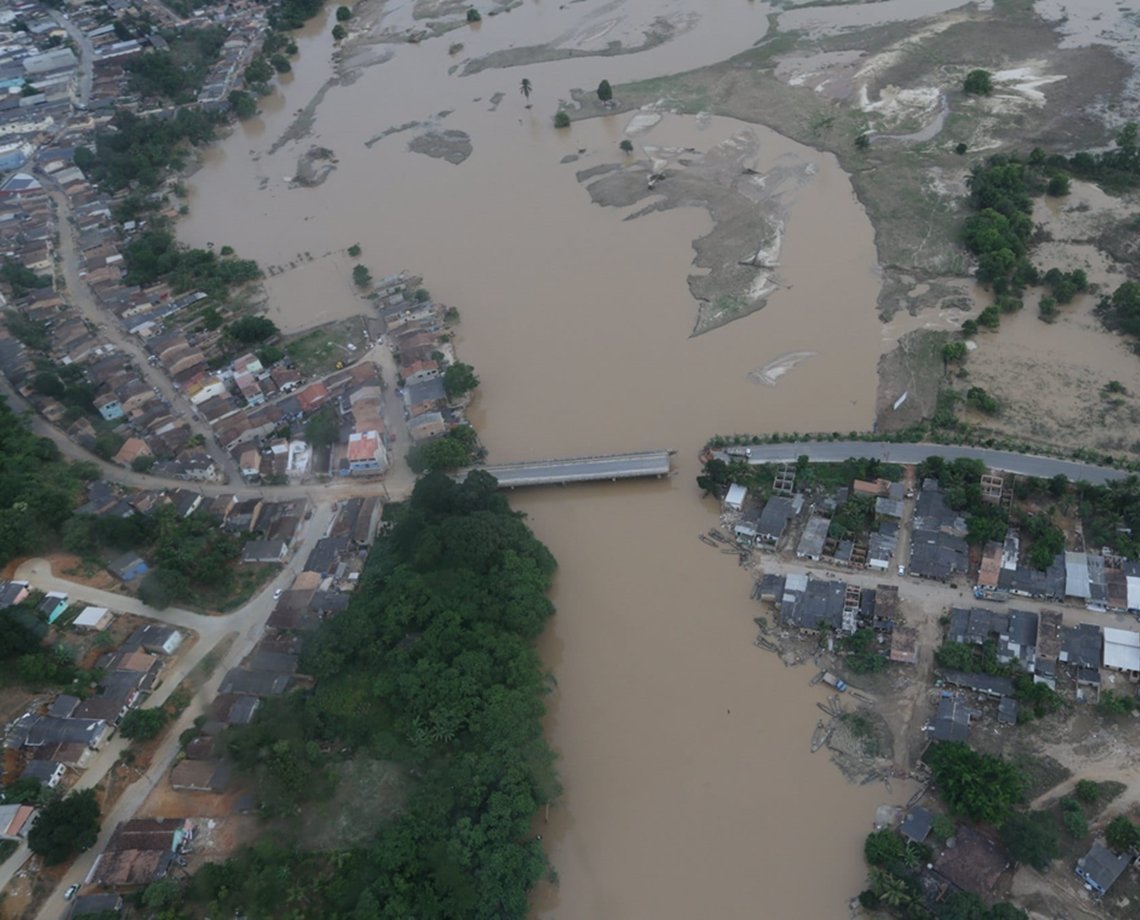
689 787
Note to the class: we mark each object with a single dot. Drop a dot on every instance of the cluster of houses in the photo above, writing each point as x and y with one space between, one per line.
814 605
773 524
421 344
37 73
43 120
268 527
320 590
1040 645
60 736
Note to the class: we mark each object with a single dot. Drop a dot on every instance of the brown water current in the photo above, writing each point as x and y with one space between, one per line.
689 788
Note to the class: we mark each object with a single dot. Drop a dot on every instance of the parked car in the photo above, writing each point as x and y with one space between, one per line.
70 893
277 593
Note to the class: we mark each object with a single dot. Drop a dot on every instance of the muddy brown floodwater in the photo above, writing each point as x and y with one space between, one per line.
689 788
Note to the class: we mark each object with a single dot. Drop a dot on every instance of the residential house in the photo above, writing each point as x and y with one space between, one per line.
984 684
16 820
88 905
48 773
142 851
951 720
427 396
917 824
53 605
265 551
812 603
200 776
1082 646
127 567
775 516
734 500
95 619
160 640
109 406
1122 651
12 593
366 454
425 426
1100 868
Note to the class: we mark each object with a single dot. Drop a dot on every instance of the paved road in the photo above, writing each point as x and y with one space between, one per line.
246 623
1021 464
79 293
86 55
582 469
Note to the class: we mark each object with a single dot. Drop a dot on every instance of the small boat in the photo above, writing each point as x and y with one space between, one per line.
820 735
708 541
718 536
817 679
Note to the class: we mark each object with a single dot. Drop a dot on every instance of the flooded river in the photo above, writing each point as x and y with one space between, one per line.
689 788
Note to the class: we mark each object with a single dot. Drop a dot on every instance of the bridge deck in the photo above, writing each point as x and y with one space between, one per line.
581 469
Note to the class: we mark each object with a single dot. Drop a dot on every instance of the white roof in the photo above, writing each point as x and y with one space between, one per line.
1121 649
736 495
1133 582
92 616
1077 575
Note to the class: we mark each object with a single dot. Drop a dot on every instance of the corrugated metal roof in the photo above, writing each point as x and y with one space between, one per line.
1077 575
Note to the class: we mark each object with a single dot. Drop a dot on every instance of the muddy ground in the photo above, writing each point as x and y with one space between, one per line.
740 255
452 146
903 80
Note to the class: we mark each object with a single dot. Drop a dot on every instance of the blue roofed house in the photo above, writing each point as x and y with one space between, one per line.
128 567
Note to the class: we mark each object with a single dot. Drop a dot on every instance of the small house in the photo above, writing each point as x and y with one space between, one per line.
12 593
734 500
53 605
48 773
1099 868
264 551
917 824
128 567
95 619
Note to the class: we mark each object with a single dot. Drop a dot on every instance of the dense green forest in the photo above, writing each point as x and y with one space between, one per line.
38 488
433 666
140 150
155 255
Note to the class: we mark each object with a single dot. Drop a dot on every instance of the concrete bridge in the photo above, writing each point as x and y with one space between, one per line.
581 469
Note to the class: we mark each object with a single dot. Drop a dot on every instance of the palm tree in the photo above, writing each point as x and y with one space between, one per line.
525 88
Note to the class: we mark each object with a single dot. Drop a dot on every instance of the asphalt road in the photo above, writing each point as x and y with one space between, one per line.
86 55
547 472
247 623
1021 464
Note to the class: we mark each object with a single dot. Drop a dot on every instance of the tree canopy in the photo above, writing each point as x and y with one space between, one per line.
977 786
459 378
433 663
1031 838
65 826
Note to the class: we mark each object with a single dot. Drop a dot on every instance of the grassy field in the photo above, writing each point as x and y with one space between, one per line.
318 352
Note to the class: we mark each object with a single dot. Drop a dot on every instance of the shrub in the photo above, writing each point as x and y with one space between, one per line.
626 146
562 120
1087 791
978 83
343 14
605 91
473 15
339 32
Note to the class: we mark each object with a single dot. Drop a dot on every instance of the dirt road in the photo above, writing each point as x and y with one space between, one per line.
81 297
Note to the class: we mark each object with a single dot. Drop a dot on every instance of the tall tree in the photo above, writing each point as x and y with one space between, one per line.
526 88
